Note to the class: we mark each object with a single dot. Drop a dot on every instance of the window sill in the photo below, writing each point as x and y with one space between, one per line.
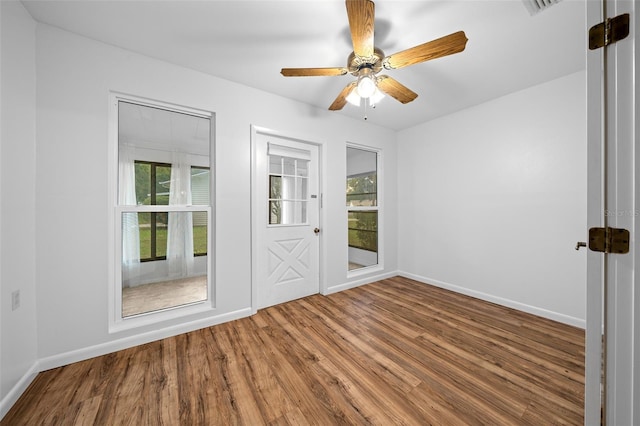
364 271
155 317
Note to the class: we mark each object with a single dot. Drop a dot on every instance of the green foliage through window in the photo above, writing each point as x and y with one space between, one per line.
363 230
362 190
153 184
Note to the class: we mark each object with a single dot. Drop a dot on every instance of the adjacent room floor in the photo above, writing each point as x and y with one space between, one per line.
161 295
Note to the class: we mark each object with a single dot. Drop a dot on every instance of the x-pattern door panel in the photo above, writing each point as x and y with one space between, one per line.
288 261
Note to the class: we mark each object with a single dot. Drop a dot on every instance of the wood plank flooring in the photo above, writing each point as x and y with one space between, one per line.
392 352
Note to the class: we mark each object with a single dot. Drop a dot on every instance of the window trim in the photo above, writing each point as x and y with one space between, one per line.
116 323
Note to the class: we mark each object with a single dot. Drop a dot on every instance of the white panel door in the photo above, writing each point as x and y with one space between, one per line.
286 197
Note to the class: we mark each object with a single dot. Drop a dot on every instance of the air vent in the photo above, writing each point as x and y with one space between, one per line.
536 6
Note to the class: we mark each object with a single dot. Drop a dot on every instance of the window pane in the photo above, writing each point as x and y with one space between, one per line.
303 168
275 187
200 230
293 212
301 188
275 164
275 212
143 183
362 171
162 219
144 221
152 286
200 179
288 187
153 225
163 185
362 191
289 165
303 212
363 230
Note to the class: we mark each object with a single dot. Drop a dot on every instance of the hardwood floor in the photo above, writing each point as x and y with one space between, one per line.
391 352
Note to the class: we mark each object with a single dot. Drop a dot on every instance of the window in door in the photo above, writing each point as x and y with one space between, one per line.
163 209
288 186
362 207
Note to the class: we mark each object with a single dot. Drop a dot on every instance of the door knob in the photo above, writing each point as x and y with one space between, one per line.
316 231
580 244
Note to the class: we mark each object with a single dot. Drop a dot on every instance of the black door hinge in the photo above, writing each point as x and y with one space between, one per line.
609 240
609 31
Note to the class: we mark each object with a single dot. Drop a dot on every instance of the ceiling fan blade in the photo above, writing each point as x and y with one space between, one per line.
313 72
396 90
361 20
447 45
341 100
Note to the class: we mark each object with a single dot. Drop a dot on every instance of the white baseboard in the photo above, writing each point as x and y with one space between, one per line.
139 339
365 280
555 316
18 389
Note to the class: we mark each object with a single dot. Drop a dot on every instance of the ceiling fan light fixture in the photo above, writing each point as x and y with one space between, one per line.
353 98
376 97
366 83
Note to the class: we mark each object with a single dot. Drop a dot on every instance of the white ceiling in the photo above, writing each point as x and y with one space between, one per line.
250 41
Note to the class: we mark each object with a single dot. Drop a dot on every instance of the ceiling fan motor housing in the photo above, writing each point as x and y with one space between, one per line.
355 63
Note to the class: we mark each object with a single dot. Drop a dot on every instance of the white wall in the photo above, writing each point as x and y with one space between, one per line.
74 77
492 200
18 351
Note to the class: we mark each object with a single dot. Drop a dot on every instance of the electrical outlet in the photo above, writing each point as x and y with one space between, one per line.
15 300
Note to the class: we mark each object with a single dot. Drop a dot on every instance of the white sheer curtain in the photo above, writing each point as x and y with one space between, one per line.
180 227
130 228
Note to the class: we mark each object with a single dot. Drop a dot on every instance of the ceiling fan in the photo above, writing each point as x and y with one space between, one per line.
366 60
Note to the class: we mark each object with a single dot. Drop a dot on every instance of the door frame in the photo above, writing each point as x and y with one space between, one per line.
255 194
613 294
595 207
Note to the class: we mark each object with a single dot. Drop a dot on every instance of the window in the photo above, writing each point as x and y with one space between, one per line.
153 186
362 207
163 209
288 185
151 190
